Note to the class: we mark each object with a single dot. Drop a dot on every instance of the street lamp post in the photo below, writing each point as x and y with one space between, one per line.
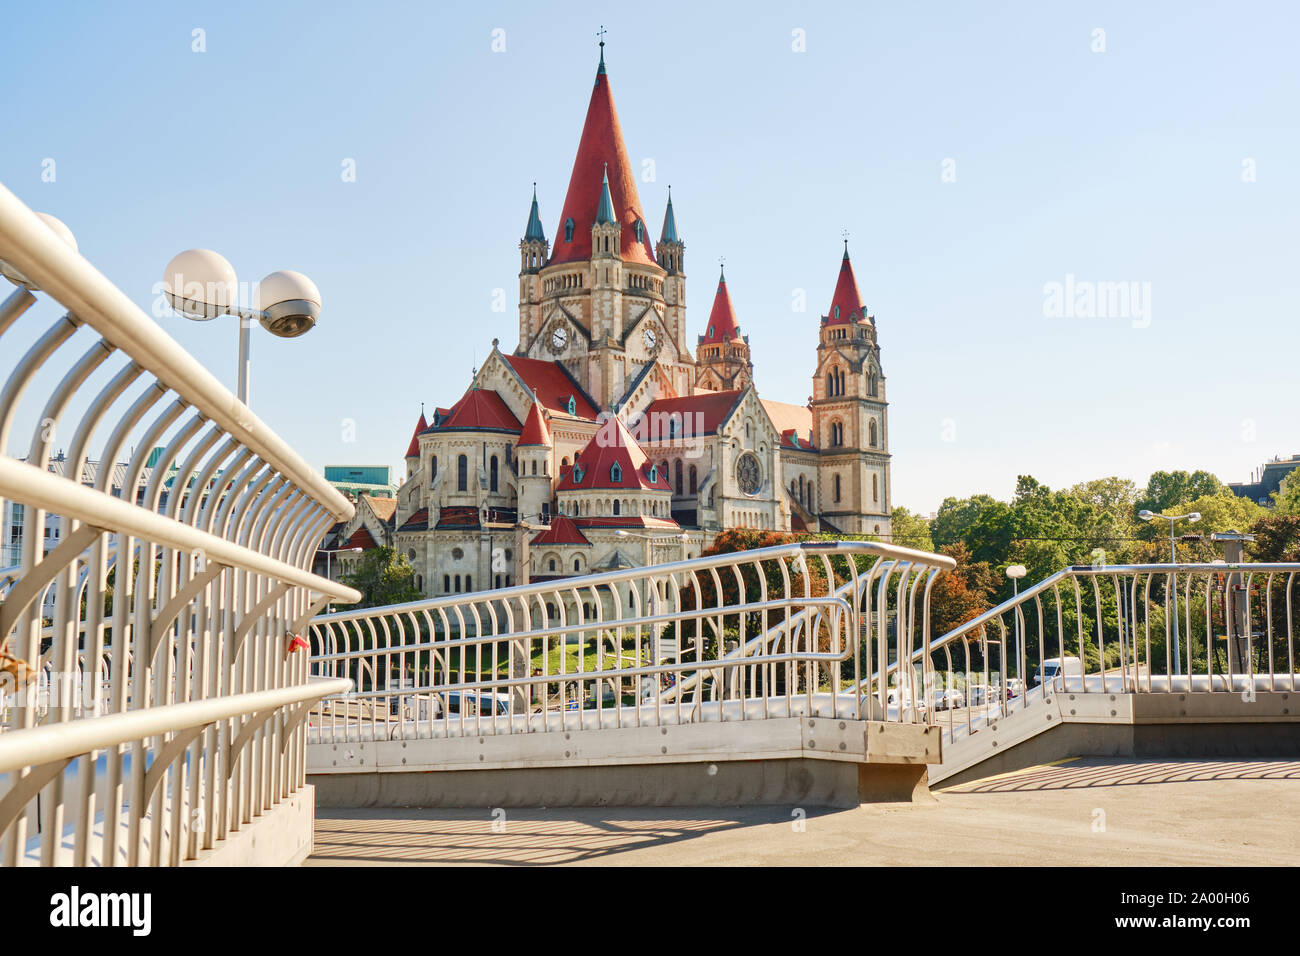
200 284
1193 517
1015 572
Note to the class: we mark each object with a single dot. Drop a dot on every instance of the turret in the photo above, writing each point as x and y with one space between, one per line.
533 456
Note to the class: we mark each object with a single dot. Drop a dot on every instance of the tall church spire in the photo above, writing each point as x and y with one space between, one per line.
846 304
601 154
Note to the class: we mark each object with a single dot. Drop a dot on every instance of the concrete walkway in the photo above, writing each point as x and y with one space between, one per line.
1083 812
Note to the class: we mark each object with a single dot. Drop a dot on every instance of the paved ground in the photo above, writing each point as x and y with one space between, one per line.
1088 811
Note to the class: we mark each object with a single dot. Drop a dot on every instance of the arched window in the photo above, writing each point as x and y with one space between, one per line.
577 564
534 467
830 383
616 472
873 383
679 476
433 468
458 584
552 563
462 476
875 487
492 474
446 584
694 482
640 231
837 488
871 432
568 230
616 506
468 585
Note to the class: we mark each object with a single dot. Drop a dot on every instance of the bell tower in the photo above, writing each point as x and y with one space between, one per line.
850 414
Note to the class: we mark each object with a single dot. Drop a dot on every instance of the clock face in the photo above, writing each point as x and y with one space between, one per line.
559 338
651 340
748 474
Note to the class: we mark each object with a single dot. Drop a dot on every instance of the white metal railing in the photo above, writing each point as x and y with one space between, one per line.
1144 629
151 702
774 632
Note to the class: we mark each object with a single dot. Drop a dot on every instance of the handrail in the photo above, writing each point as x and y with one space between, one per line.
740 626
51 493
53 742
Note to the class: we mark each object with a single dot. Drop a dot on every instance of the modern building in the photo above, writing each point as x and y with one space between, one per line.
610 436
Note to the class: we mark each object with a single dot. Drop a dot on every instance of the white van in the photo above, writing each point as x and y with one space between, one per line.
1054 667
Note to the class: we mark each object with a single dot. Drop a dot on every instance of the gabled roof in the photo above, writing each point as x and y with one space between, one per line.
601 143
383 508
361 538
793 422
701 414
613 460
481 409
561 531
553 385
413 449
846 306
535 430
722 325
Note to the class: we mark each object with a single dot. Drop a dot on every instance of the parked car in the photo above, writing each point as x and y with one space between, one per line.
952 699
977 695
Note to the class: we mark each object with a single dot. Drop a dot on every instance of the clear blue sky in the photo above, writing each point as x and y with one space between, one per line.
1117 166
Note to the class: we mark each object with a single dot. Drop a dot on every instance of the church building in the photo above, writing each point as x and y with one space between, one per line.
617 432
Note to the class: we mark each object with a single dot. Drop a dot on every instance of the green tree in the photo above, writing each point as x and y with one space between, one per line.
1277 537
1286 500
957 516
383 576
910 531
1166 490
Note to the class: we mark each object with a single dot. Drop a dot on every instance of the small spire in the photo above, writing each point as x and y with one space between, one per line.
722 270
605 211
845 234
534 230
669 233
600 71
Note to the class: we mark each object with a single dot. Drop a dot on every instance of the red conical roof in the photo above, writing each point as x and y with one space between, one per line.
594 465
413 449
535 430
722 320
848 300
601 143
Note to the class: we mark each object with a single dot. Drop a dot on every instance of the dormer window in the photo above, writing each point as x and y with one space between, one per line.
837 312
710 331
577 474
568 230
654 474
640 231
571 406
616 472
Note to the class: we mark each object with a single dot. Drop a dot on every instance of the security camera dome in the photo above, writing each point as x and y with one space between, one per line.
200 284
59 229
289 302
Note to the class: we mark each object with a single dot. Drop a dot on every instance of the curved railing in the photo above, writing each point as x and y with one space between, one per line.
1145 629
177 579
777 631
